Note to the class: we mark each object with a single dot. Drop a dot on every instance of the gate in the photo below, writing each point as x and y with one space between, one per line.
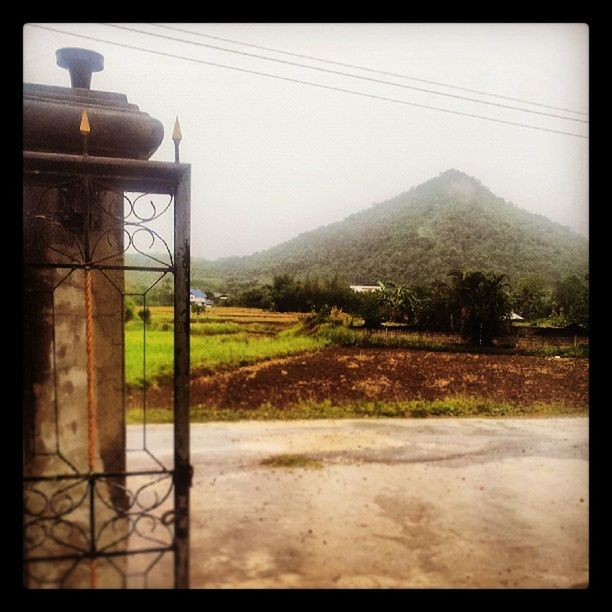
104 505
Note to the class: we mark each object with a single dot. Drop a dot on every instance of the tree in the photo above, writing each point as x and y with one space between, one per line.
529 297
259 297
145 315
436 307
571 296
369 308
128 311
285 293
483 303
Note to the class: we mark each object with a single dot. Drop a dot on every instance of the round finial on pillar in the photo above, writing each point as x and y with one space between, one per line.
80 63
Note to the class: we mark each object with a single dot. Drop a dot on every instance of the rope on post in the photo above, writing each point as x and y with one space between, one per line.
91 407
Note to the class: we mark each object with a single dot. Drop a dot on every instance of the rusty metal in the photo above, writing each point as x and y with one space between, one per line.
47 511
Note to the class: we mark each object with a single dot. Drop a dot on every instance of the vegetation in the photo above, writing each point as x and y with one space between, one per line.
399 304
288 294
292 461
214 345
448 407
128 310
482 303
571 301
474 303
531 298
145 315
343 336
451 221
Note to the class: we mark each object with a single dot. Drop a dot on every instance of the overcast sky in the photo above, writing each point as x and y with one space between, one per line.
271 159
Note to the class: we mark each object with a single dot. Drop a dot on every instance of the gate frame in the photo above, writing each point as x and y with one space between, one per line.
152 177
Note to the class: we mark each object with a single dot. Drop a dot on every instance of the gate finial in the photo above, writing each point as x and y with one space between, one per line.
84 129
177 136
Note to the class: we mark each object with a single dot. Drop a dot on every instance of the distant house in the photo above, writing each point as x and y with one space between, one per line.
515 317
364 288
199 298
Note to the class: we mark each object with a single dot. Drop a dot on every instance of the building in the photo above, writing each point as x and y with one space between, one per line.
364 288
199 298
221 297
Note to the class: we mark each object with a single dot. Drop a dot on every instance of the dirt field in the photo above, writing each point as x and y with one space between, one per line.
344 374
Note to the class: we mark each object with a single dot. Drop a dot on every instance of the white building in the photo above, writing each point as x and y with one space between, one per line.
365 288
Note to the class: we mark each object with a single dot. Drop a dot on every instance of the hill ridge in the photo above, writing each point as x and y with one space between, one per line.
449 221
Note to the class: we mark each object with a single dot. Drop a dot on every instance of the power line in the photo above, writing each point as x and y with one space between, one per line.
345 74
311 84
395 74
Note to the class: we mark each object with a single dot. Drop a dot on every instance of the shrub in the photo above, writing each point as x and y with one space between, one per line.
128 310
145 315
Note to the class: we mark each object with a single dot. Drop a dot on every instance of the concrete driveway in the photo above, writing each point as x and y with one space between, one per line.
393 503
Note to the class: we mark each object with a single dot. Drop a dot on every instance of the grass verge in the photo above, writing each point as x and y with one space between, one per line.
448 407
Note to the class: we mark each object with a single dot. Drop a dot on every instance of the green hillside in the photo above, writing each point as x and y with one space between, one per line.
447 222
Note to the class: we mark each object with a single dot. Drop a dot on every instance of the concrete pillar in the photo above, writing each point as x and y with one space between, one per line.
57 438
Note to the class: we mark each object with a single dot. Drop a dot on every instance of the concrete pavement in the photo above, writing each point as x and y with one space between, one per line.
396 503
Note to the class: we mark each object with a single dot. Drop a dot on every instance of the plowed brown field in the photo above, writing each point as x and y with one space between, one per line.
344 374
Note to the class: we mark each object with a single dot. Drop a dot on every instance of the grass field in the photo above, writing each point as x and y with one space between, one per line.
357 375
220 337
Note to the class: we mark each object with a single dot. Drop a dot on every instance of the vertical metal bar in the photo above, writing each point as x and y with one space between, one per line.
182 467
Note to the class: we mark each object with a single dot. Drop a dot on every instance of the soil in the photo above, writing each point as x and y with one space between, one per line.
343 375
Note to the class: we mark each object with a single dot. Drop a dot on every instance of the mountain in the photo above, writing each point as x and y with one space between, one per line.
447 222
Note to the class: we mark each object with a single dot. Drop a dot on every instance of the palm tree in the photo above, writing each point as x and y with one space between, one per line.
483 303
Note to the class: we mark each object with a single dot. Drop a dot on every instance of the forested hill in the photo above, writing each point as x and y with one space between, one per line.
447 222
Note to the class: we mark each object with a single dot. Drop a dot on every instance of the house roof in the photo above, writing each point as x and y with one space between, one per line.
197 293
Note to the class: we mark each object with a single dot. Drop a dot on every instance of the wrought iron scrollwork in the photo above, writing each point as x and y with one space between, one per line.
107 214
79 521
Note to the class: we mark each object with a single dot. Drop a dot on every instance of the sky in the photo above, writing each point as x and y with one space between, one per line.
271 159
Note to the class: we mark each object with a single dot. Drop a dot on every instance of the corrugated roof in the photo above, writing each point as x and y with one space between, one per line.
197 293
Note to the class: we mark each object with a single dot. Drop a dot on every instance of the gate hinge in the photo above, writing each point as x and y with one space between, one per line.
183 476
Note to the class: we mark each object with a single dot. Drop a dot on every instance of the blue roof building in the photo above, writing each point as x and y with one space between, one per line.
199 298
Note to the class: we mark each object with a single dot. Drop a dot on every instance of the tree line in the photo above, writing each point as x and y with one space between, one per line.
474 303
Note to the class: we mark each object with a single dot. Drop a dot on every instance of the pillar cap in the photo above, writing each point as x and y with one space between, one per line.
80 63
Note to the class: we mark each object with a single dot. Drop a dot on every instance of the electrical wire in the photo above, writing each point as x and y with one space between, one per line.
373 70
344 74
309 83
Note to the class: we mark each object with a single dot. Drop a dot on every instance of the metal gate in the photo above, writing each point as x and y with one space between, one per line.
104 505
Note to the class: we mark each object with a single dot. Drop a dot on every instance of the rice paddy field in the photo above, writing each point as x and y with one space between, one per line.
220 338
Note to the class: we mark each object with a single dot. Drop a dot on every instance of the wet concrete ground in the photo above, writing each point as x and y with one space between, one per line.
397 503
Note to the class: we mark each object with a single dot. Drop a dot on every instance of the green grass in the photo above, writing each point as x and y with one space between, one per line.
292 461
448 407
207 351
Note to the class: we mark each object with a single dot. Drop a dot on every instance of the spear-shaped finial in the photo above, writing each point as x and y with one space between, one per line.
177 136
84 129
